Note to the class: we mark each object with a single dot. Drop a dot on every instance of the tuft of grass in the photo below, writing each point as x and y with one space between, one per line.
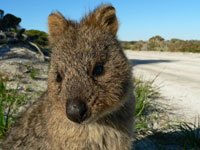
34 73
3 123
145 94
10 100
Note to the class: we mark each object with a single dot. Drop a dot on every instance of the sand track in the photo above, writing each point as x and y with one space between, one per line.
178 76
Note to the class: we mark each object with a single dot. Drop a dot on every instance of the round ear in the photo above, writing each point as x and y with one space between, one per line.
56 23
103 17
58 26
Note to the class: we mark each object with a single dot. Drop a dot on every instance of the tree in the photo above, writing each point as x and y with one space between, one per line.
9 21
1 14
156 43
156 38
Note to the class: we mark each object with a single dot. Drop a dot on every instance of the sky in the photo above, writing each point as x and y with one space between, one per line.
139 19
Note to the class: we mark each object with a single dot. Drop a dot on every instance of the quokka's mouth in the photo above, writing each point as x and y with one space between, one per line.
83 120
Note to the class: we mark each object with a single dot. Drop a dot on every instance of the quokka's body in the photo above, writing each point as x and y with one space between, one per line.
89 103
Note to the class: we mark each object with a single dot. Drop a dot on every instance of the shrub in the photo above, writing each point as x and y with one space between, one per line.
157 43
38 37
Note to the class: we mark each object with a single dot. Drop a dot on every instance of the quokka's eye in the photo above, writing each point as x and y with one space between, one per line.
58 77
98 70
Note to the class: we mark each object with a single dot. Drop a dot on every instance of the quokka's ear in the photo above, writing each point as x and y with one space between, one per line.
58 25
103 17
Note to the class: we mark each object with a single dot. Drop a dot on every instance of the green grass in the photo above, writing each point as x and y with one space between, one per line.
145 94
34 73
10 100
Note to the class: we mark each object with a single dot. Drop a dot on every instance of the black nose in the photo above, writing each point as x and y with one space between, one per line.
76 110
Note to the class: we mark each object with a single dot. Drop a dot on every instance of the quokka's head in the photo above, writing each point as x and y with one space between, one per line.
89 74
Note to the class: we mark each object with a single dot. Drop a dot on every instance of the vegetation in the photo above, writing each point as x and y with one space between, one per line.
34 73
38 37
157 43
176 134
8 21
145 94
10 100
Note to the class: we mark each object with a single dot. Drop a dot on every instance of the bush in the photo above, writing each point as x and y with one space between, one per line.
38 37
157 43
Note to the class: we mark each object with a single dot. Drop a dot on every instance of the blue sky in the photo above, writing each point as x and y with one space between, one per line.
139 19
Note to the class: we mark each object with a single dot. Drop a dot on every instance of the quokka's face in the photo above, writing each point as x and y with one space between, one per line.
89 73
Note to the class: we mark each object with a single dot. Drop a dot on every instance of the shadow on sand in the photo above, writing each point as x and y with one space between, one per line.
136 62
172 140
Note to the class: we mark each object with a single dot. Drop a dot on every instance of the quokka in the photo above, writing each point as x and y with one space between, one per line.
89 102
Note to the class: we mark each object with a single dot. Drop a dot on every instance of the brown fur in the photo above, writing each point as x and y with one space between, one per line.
77 47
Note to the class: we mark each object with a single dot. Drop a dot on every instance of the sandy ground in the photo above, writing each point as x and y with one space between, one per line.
178 77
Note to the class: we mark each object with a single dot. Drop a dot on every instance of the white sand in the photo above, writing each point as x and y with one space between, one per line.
178 76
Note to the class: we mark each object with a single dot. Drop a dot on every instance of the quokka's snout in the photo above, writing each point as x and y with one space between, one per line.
76 110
